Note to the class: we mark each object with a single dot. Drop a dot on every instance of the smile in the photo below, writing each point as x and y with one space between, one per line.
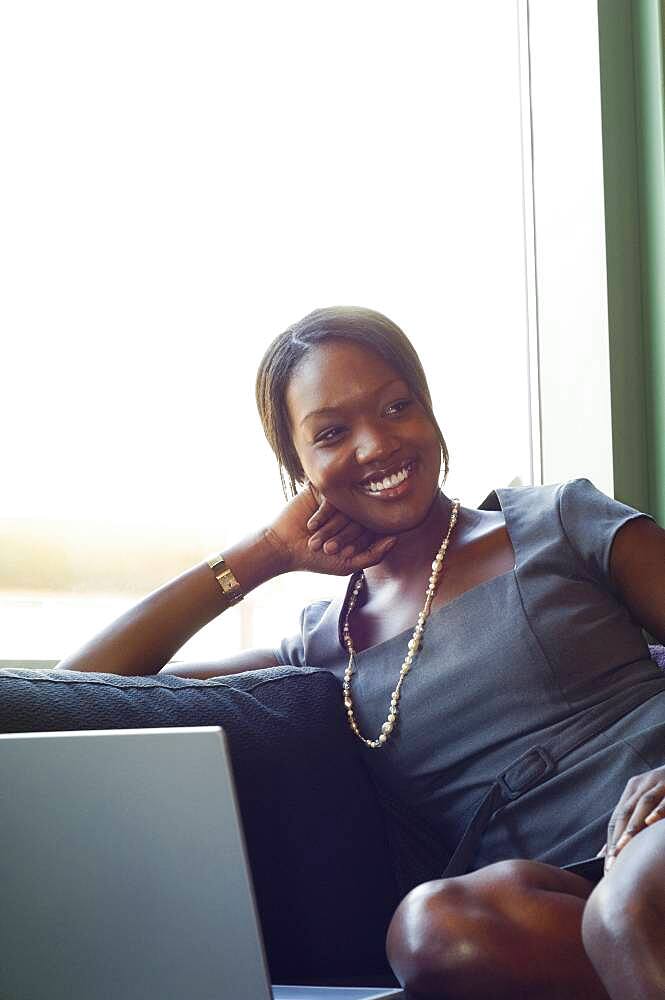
390 486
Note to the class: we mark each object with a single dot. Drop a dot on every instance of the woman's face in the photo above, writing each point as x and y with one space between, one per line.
364 440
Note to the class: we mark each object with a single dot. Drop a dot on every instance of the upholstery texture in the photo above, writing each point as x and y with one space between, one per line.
315 832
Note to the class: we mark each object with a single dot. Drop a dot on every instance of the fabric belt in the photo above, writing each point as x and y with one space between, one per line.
529 770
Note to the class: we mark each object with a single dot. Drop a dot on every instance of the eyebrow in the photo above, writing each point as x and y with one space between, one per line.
335 409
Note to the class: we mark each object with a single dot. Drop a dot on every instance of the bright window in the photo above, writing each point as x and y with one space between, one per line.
182 181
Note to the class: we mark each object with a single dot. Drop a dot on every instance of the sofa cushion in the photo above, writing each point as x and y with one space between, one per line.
315 833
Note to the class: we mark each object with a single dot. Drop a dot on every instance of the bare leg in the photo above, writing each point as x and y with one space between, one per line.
623 927
509 931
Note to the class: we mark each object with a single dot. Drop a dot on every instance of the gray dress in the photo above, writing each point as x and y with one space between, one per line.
532 701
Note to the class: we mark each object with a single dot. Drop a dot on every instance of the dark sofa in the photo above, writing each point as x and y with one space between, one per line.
331 855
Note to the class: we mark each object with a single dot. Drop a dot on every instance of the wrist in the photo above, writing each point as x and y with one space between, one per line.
257 559
278 555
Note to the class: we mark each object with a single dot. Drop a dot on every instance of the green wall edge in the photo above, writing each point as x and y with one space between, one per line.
632 56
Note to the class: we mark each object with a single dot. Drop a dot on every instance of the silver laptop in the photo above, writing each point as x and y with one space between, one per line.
123 872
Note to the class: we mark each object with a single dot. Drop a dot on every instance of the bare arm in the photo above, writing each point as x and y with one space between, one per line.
144 639
637 566
249 659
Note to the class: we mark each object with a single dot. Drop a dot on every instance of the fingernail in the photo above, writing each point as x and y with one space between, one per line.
331 546
315 543
623 840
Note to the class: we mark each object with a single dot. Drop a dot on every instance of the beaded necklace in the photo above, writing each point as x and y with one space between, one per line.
413 645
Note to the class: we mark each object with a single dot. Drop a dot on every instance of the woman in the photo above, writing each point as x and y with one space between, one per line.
492 661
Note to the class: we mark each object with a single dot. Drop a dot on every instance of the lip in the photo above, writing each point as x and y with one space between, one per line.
394 492
378 475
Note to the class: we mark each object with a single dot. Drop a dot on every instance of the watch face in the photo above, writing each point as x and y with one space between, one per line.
227 580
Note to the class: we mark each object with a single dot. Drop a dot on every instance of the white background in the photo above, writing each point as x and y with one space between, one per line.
182 181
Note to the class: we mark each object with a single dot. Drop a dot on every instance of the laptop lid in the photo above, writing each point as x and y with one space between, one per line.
123 870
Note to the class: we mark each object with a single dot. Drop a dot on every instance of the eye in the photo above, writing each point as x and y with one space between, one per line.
399 406
329 435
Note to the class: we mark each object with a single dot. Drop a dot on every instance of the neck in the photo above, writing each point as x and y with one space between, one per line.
414 549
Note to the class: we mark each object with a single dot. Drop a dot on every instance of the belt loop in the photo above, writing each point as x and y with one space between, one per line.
526 772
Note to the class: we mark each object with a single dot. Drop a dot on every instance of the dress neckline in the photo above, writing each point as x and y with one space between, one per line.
493 501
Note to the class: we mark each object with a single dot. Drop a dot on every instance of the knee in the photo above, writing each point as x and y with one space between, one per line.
411 942
621 910
490 933
434 943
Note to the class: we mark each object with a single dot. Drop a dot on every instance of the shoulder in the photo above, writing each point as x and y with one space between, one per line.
583 519
319 632
312 615
576 503
294 649
523 496
569 499
583 505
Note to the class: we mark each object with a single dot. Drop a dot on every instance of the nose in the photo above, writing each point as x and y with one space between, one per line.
375 443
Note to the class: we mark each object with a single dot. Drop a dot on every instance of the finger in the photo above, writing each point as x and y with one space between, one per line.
629 815
618 822
322 514
328 530
656 814
346 538
359 544
645 806
374 554
615 832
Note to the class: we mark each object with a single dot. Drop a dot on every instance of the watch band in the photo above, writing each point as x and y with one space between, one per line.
225 578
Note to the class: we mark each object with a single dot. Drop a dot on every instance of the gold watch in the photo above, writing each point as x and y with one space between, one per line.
225 578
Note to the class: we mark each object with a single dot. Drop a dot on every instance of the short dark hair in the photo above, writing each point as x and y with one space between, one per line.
361 326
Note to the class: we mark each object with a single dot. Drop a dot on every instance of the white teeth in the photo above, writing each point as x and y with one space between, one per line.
390 481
